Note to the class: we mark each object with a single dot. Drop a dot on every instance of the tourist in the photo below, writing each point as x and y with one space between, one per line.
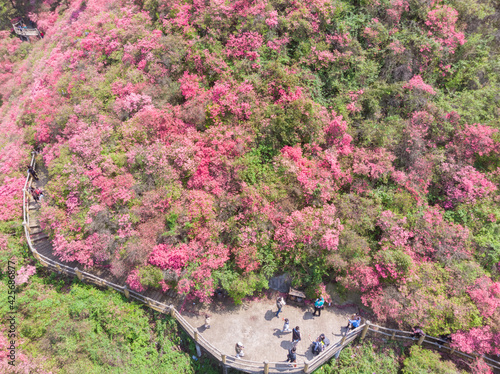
207 321
318 305
286 326
445 339
417 332
239 350
32 172
354 322
320 344
280 303
35 194
292 356
296 337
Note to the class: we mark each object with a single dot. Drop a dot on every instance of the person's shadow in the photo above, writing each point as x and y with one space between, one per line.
270 315
286 345
202 328
278 333
308 315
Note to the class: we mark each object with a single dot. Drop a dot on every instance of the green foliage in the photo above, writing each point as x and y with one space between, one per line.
253 167
85 330
150 276
489 243
423 361
238 286
362 359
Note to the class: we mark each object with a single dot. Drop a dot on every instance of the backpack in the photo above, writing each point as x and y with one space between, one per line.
326 342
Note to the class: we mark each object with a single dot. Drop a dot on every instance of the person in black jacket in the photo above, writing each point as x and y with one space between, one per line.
32 172
296 337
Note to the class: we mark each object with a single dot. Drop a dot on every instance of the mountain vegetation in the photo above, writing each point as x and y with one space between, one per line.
196 145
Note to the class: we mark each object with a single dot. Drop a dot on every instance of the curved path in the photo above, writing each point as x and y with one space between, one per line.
253 323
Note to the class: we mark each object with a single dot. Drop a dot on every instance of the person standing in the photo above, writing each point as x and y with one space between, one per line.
292 356
207 321
280 303
239 350
318 305
296 337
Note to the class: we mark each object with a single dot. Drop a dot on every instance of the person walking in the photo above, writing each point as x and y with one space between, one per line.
32 172
286 326
296 336
280 303
239 350
292 356
318 305
35 193
207 321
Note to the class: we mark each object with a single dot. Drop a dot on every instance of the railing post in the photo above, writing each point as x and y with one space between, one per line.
344 337
306 366
365 330
393 335
172 312
266 367
452 351
195 334
78 273
421 339
58 268
126 292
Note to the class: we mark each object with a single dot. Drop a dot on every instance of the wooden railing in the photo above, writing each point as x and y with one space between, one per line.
429 341
228 360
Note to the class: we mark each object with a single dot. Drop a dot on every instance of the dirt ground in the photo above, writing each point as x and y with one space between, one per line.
255 325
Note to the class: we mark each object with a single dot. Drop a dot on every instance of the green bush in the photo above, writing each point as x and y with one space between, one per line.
86 330
423 361
363 359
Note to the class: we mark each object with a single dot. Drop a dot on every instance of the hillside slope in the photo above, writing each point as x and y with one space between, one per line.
196 145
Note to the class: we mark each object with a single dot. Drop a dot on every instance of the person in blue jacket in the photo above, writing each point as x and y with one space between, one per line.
353 323
318 305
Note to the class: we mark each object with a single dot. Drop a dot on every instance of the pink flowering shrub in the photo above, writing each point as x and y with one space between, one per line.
398 7
11 198
372 163
464 185
310 230
416 83
473 140
442 25
244 45
134 282
24 273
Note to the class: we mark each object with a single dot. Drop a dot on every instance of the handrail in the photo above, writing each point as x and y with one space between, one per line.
227 360
427 340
